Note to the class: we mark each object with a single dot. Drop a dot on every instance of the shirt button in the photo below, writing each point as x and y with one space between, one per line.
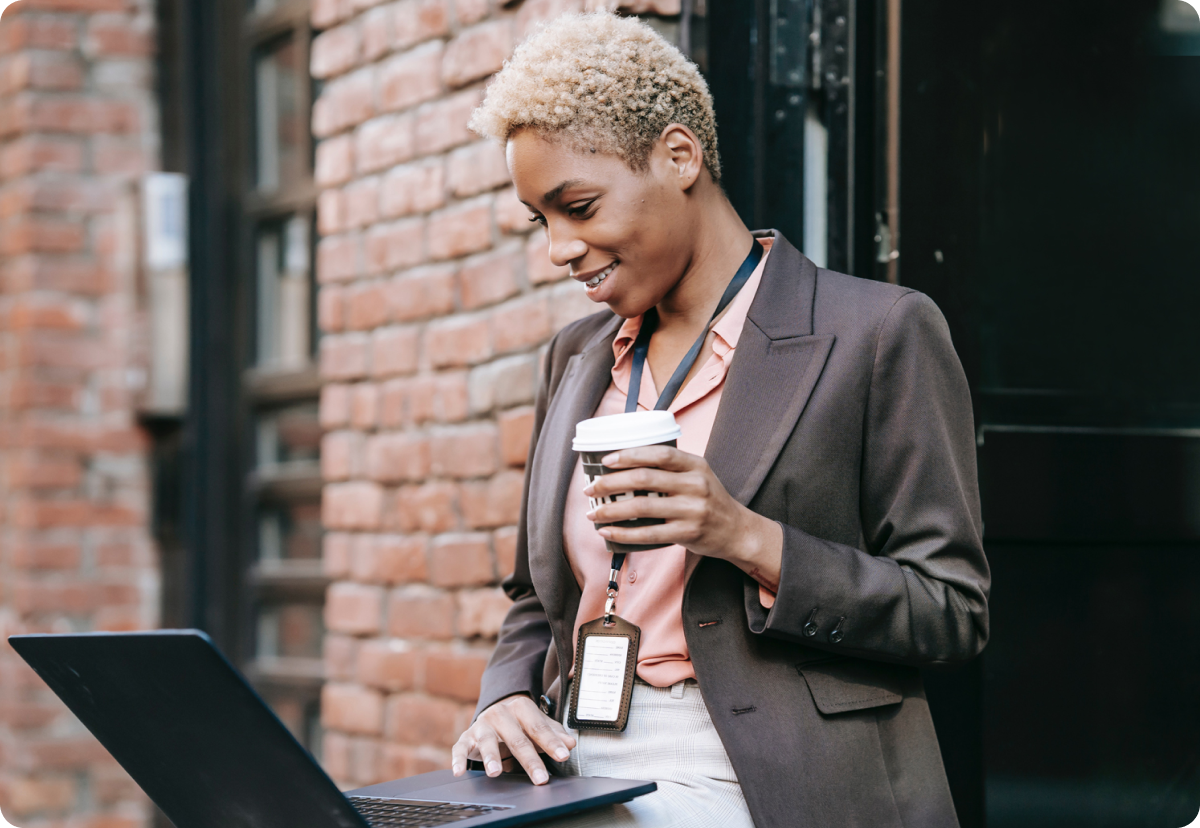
632 576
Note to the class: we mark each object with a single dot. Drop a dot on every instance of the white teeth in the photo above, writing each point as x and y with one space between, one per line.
601 276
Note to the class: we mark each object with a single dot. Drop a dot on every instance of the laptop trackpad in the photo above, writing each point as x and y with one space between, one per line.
480 789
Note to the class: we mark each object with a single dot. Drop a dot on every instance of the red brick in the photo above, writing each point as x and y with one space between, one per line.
39 234
516 430
415 188
335 160
537 260
511 215
504 542
330 214
522 323
26 394
418 719
461 560
41 31
356 505
481 612
395 245
410 77
69 598
400 559
396 458
458 341
29 795
351 708
48 555
355 609
376 33
420 612
68 274
568 302
430 507
341 654
48 312
393 403
366 306
439 398
489 279
477 52
339 258
442 124
335 405
119 155
41 71
335 554
384 141
89 116
471 11
331 309
34 513
455 674
342 455
364 406
335 747
345 102
492 503
502 384
477 168
118 35
406 760
360 202
335 51
663 8
35 153
394 350
466 451
420 293
365 761
390 665
416 20
461 229
326 13
533 12
344 356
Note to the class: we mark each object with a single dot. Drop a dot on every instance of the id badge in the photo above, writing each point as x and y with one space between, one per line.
604 669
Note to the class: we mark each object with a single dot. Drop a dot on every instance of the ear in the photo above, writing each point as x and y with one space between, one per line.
682 152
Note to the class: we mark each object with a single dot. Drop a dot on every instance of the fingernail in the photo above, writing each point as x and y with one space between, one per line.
610 459
493 768
590 516
540 777
457 769
606 534
561 754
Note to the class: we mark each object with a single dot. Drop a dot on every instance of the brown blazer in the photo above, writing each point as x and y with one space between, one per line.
847 418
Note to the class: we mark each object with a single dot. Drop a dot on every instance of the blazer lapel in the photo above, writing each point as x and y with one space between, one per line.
584 382
775 368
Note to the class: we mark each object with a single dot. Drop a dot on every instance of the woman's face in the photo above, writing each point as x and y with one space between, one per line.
624 234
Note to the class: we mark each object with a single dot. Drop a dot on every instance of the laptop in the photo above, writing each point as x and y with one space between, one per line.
203 745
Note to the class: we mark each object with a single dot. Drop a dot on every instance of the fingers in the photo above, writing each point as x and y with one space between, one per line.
512 726
661 457
647 479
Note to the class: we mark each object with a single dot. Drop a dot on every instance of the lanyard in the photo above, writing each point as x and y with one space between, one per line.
641 347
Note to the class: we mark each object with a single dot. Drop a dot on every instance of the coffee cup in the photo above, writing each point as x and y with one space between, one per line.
600 436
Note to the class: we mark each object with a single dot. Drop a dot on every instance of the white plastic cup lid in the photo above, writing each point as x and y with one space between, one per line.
622 431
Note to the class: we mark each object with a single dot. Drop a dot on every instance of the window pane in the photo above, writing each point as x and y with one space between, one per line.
284 296
278 73
290 531
289 435
290 631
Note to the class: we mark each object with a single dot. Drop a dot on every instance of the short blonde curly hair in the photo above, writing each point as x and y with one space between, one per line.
604 81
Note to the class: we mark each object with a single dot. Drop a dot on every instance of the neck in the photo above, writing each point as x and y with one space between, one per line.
722 244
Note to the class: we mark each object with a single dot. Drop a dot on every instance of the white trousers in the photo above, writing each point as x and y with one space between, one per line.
670 739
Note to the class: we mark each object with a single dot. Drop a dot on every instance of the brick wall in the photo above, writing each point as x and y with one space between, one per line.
77 127
436 296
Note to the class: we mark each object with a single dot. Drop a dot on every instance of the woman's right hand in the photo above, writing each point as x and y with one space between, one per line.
516 727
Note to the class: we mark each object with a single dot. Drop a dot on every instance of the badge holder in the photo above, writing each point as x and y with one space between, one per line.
605 666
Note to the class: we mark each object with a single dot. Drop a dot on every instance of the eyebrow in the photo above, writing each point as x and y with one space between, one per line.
557 191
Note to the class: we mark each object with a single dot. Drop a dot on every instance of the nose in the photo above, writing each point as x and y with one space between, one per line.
564 246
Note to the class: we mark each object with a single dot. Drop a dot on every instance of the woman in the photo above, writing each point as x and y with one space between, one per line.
822 505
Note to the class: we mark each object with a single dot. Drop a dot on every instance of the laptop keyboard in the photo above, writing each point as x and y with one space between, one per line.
413 813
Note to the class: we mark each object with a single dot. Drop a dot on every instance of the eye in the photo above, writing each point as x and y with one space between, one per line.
538 219
581 210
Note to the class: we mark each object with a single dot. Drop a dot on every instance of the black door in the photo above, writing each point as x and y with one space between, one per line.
1050 193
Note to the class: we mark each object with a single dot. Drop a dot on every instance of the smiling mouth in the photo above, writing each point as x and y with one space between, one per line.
601 276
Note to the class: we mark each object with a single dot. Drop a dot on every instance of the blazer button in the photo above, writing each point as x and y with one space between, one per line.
836 636
810 629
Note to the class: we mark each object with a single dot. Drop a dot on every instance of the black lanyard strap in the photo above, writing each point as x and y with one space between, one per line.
641 347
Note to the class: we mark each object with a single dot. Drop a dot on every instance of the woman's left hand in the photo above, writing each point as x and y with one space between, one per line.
700 515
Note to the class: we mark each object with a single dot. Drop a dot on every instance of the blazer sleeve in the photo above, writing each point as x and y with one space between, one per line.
525 635
918 594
